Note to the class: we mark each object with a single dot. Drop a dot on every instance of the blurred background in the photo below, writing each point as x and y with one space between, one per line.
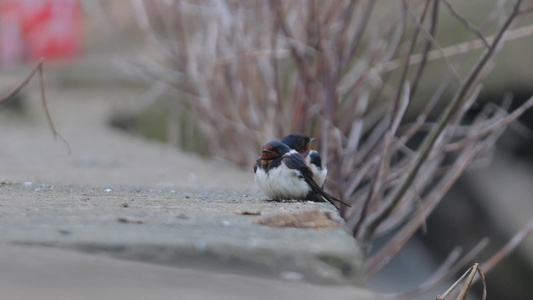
219 78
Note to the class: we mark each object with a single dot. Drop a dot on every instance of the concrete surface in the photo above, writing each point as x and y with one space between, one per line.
51 274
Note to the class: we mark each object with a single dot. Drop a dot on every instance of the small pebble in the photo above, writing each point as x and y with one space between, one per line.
200 246
182 216
290 275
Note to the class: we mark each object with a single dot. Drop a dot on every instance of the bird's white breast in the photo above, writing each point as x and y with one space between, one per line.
319 174
282 183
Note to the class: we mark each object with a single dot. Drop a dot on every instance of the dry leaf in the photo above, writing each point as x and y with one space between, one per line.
308 219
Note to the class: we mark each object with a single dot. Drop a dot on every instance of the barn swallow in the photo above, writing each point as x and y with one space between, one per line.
282 174
301 143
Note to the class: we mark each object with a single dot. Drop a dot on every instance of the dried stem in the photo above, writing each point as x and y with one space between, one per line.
469 274
465 47
425 51
467 24
15 90
508 248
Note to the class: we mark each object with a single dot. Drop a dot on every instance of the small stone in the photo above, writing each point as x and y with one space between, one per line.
290 275
200 246
128 221
182 216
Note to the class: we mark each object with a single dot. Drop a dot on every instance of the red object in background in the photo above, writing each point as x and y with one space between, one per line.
11 28
31 29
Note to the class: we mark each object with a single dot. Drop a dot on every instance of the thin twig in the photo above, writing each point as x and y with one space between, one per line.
354 46
43 99
439 48
491 127
16 89
447 52
526 10
377 182
471 272
514 242
465 22
346 16
468 283
300 61
405 68
425 51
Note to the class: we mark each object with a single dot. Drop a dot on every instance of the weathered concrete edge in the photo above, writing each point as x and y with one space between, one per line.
321 268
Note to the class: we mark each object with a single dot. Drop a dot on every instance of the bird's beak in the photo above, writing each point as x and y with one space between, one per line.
267 151
312 140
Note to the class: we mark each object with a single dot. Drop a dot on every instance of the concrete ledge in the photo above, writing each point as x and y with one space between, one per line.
191 228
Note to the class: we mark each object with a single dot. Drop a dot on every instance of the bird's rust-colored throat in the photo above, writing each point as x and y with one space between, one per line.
305 150
267 153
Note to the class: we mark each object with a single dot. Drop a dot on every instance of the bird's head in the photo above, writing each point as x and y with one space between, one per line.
299 142
273 150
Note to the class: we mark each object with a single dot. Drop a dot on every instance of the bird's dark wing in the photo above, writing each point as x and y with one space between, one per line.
317 189
296 161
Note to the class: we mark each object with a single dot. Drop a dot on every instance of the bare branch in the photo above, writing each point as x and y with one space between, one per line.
467 24
526 10
354 46
405 68
16 89
300 61
508 248
510 35
425 51
471 272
